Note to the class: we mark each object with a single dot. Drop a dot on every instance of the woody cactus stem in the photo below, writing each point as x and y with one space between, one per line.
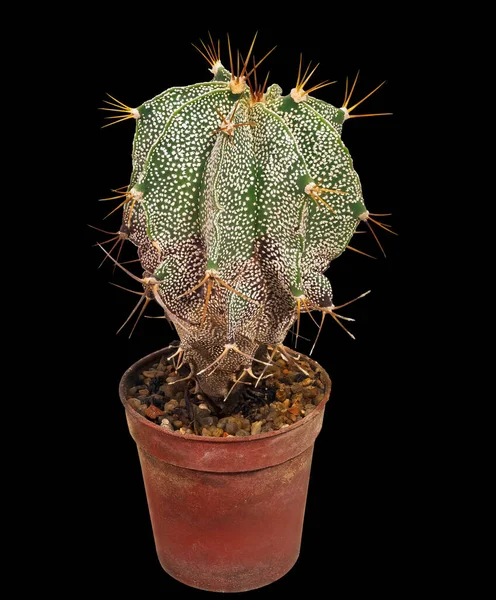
239 200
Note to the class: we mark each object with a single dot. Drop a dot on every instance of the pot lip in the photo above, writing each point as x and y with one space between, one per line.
221 440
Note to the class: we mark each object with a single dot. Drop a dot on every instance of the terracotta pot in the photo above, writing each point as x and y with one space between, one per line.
227 513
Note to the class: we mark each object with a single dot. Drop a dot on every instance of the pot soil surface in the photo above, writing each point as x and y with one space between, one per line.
288 391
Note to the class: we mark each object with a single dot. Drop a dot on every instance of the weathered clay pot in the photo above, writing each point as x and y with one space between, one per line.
227 513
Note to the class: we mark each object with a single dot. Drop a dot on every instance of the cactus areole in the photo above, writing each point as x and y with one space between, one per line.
239 199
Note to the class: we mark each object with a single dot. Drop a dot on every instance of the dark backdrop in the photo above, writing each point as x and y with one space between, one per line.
357 518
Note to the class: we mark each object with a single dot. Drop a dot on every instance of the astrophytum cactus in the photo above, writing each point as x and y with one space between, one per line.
239 199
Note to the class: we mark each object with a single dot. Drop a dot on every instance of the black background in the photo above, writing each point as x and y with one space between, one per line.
358 517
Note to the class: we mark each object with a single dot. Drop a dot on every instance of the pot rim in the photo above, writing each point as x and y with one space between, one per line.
123 386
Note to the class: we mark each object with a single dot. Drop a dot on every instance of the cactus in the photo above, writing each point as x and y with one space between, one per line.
239 199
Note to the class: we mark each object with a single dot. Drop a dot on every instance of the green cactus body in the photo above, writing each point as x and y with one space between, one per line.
329 162
228 220
155 113
334 116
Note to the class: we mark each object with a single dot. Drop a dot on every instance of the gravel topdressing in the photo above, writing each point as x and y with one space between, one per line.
167 397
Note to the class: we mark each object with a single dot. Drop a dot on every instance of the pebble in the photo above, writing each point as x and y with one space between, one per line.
134 402
150 374
264 410
241 433
279 421
318 399
152 412
231 427
137 405
238 419
178 424
216 432
297 397
307 381
206 421
256 427
309 408
272 415
143 392
171 405
185 430
205 432
166 425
